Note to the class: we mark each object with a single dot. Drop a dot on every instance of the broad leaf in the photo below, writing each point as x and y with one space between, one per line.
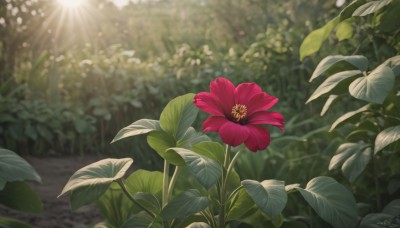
184 204
356 164
19 195
148 201
375 220
393 208
140 220
358 61
15 168
161 142
178 116
331 99
370 7
332 201
270 195
87 195
313 41
206 170
373 87
100 173
145 181
139 127
394 64
213 150
344 30
386 137
331 82
347 116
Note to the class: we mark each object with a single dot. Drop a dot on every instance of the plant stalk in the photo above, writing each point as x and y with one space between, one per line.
165 184
173 180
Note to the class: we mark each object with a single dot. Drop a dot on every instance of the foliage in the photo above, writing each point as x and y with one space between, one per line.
370 81
14 192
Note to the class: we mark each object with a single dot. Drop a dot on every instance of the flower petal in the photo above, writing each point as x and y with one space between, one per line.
233 134
260 102
208 103
213 123
245 91
271 118
224 90
259 138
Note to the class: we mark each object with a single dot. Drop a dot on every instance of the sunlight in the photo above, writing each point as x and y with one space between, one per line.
71 3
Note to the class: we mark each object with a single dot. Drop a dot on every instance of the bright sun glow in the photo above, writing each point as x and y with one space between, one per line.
71 3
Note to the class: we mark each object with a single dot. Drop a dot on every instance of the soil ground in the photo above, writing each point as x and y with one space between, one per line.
55 172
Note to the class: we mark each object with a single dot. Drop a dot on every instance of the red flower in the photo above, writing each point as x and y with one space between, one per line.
239 113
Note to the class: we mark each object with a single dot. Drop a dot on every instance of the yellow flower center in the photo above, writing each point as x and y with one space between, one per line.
239 112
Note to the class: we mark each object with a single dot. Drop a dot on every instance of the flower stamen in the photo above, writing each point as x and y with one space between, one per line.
239 112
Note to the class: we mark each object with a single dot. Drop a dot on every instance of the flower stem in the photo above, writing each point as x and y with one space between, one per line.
173 180
165 184
122 185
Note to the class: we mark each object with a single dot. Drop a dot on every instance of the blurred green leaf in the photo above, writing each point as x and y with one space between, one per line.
329 102
348 10
346 117
344 30
19 195
313 41
370 7
12 223
15 168
356 164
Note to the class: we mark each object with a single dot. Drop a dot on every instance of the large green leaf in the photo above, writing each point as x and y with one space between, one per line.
386 137
345 117
139 127
332 201
269 195
184 204
206 170
343 153
389 21
374 220
160 141
356 164
15 168
313 41
18 195
87 194
148 201
145 181
373 87
370 7
331 82
358 61
98 174
178 115
213 150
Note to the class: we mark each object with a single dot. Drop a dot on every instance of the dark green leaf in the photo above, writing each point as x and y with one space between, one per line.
145 181
332 201
211 150
18 195
161 142
191 137
149 201
393 208
12 223
140 220
139 127
374 220
240 206
87 195
373 87
356 164
184 204
348 10
15 168
269 195
386 137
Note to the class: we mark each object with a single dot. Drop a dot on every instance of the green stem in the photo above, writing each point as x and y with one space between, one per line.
122 185
165 184
173 180
376 182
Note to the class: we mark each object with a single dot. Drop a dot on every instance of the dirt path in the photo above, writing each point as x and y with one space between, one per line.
55 173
